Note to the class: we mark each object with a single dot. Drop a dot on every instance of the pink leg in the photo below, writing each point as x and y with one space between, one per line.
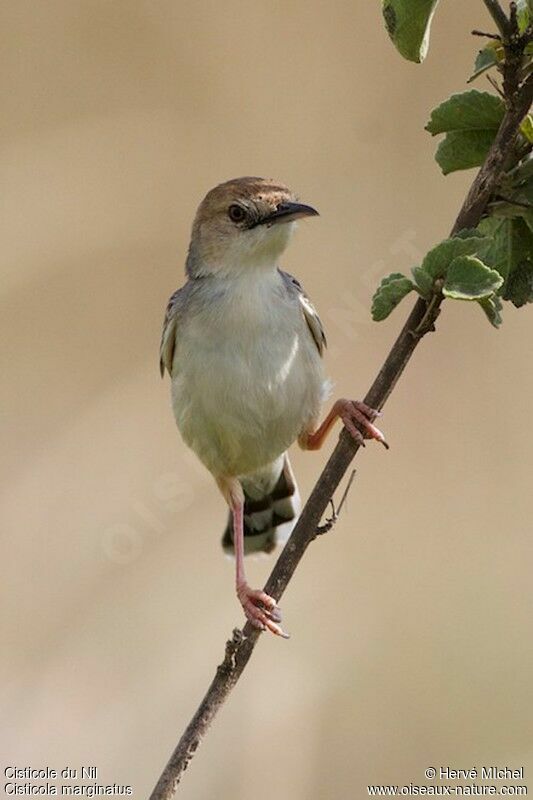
352 413
260 609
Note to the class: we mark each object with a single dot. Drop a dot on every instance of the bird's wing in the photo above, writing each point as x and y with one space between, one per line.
310 315
168 337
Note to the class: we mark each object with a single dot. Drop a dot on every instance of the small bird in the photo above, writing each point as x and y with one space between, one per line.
243 346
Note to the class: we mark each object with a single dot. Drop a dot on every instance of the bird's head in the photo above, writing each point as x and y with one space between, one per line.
243 224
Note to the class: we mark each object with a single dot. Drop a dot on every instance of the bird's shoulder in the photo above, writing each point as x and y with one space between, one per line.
295 288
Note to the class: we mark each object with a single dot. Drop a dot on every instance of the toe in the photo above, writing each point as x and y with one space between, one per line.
261 610
353 430
370 429
277 630
265 599
368 411
274 614
267 604
256 622
264 620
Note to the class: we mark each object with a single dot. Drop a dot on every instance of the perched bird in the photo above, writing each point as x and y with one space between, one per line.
243 347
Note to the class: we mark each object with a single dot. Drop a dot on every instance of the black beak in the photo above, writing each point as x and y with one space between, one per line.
288 212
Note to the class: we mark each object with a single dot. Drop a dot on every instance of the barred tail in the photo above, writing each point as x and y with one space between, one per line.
271 507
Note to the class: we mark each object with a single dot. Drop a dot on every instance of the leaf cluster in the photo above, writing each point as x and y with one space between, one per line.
494 262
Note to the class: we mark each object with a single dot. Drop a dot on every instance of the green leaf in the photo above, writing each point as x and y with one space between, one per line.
439 258
523 193
490 56
510 243
470 121
463 150
390 292
524 171
526 127
519 287
469 279
467 111
468 233
510 210
528 219
408 24
524 14
423 280
517 189
492 307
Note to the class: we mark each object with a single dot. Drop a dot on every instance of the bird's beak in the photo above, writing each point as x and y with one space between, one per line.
288 212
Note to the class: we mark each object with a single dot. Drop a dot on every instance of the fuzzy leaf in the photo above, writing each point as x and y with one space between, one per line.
469 279
423 280
519 287
463 150
490 56
470 121
390 292
467 111
510 243
492 307
408 24
439 258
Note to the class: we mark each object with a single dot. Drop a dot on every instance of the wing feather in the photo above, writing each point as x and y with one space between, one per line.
309 311
168 337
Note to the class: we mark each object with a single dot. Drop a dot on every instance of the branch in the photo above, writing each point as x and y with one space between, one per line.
489 174
499 17
421 320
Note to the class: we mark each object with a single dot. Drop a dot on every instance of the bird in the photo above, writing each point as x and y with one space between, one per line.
243 346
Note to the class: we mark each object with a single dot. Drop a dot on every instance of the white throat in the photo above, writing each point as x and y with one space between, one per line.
249 252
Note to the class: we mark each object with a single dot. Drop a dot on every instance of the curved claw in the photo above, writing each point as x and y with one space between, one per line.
274 614
354 413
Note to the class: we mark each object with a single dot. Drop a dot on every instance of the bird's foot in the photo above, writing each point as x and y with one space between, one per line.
261 610
355 416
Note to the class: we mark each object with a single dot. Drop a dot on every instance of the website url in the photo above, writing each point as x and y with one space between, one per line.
470 790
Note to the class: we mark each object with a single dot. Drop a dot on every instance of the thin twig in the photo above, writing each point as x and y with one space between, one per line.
504 199
495 86
346 492
240 647
494 36
335 512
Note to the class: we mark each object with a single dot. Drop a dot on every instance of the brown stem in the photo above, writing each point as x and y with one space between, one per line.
499 17
421 320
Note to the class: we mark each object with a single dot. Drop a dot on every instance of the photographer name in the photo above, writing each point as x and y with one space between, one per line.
485 773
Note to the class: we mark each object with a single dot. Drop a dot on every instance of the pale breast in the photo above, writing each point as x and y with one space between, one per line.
248 377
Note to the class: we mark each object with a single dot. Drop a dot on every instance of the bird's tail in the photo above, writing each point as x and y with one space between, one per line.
271 507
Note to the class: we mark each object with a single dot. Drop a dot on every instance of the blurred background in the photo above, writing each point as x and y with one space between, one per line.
411 622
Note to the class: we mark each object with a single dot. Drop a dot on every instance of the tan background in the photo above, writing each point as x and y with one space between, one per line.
411 622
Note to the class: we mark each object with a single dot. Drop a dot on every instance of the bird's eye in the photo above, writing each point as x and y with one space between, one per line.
236 213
